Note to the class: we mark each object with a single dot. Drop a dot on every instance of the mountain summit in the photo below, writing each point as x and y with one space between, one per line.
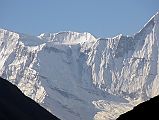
77 76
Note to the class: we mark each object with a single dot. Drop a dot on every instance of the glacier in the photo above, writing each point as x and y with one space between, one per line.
77 76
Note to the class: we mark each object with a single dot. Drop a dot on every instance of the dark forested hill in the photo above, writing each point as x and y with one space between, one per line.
14 105
147 110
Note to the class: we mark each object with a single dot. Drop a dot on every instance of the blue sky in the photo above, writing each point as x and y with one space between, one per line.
102 18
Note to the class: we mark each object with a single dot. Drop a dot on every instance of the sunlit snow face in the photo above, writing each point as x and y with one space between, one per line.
76 75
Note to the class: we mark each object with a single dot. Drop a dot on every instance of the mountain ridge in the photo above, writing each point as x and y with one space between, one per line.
83 76
156 17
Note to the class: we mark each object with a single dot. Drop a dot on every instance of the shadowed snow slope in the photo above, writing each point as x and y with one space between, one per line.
79 77
14 105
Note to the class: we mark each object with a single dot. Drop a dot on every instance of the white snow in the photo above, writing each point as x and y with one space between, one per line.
69 37
79 77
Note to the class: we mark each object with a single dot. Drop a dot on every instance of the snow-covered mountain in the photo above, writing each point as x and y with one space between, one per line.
77 76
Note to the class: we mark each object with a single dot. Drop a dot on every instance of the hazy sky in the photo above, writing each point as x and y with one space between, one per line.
102 18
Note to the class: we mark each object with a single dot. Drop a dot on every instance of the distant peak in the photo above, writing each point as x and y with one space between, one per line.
154 20
156 17
118 36
4 30
68 37
64 33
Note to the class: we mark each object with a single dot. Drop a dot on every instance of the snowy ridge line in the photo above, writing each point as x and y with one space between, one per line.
151 19
77 76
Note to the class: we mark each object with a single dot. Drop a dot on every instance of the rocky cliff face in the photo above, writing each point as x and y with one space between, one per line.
83 76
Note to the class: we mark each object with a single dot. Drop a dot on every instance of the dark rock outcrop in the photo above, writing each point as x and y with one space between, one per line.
147 110
14 105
